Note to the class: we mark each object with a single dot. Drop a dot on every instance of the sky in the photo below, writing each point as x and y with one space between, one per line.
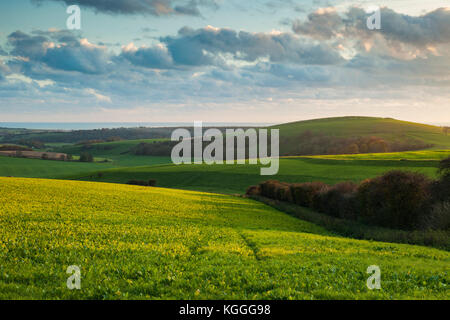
267 61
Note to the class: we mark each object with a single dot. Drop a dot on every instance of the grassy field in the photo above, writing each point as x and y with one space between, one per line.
236 178
389 129
118 152
37 168
222 178
151 243
407 155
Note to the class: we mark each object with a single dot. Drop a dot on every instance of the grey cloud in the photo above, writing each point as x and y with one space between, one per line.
151 57
206 46
69 54
3 52
431 28
28 46
145 7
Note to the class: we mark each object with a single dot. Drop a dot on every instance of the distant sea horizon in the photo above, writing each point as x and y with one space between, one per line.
113 125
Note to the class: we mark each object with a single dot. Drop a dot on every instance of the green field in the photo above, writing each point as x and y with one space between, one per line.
118 152
151 243
387 128
37 168
236 178
407 155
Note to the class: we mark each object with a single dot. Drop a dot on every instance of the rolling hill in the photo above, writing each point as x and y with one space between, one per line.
151 243
398 134
366 126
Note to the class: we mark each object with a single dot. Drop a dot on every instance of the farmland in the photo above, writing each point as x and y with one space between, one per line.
150 243
236 178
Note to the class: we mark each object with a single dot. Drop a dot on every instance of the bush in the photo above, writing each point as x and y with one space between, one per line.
444 167
439 217
303 193
86 157
149 183
138 183
253 191
276 190
397 199
335 199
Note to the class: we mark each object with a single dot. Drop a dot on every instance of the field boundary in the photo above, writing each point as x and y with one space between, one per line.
351 229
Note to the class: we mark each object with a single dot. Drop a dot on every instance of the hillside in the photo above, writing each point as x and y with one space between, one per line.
151 243
118 152
397 135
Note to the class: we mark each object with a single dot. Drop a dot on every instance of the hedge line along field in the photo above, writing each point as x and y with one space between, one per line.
151 243
232 179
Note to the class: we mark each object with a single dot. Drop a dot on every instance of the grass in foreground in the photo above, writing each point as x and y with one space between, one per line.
150 243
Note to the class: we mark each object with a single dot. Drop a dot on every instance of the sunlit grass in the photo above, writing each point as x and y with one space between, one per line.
151 243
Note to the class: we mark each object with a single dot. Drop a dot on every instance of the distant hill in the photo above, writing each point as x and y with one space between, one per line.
358 135
327 136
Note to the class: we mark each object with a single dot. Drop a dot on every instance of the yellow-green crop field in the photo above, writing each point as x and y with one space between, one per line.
151 243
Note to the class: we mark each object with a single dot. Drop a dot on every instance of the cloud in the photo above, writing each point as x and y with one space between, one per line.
150 57
209 46
67 52
428 29
145 7
329 56
97 95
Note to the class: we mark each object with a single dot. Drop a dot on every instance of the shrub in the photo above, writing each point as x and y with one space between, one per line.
283 192
138 183
335 199
397 199
86 157
253 191
268 188
439 217
444 168
303 193
276 190
440 189
44 156
149 183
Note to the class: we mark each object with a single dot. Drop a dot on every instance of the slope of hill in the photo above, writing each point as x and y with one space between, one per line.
151 243
119 152
397 134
